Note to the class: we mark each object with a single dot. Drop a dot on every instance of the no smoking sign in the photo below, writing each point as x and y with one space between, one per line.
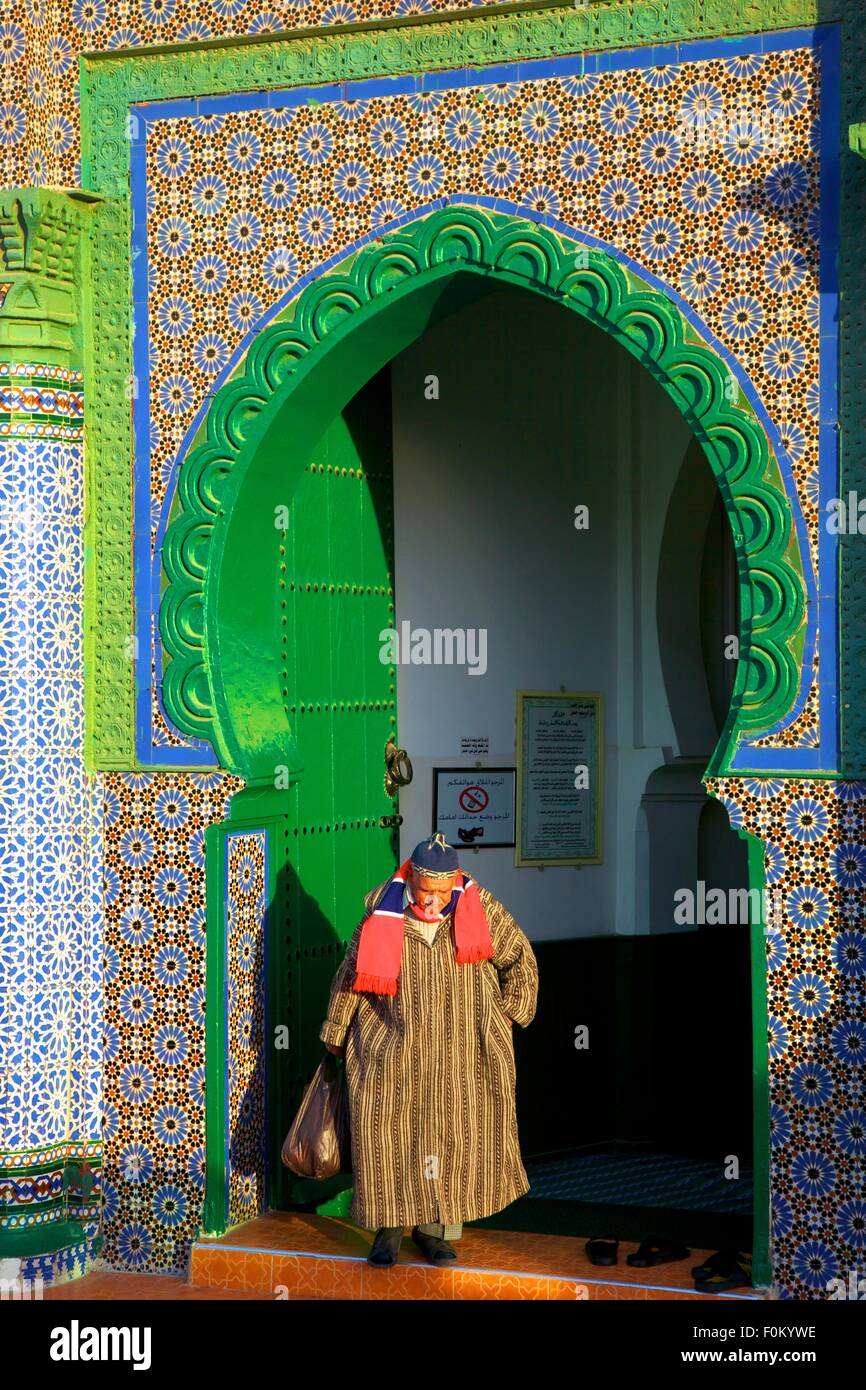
474 800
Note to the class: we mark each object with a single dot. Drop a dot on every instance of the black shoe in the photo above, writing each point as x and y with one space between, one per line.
603 1250
434 1249
386 1245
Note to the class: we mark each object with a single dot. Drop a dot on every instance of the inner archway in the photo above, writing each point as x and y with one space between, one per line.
638 603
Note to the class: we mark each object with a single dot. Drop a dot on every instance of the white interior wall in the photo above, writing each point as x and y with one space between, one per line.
537 411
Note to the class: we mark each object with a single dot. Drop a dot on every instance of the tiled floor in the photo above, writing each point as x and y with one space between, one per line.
110 1286
297 1256
305 1255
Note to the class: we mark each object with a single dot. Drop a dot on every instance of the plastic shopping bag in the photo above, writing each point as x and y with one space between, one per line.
318 1144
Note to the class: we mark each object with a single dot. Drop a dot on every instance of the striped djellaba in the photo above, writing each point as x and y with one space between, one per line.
431 1077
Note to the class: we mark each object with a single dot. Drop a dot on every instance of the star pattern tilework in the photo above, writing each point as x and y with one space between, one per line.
41 40
154 953
50 826
245 1025
815 859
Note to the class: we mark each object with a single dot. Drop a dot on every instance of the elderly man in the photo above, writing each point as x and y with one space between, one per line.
422 1007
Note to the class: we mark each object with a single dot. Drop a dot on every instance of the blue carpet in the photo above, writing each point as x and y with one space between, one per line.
643 1180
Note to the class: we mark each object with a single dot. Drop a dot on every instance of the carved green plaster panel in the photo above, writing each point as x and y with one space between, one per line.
220 627
40 258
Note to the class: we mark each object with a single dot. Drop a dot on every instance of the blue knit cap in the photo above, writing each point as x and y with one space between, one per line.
434 857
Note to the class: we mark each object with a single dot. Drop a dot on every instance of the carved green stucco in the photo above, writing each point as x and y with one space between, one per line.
112 82
40 261
219 618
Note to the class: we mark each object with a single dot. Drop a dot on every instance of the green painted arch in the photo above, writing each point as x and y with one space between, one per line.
218 610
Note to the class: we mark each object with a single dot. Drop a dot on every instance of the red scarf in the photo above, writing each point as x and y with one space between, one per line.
380 948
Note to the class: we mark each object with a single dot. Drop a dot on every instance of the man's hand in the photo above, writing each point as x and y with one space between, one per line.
337 1051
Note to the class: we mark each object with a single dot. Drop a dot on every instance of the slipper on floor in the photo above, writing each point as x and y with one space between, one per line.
656 1251
735 1272
603 1250
713 1263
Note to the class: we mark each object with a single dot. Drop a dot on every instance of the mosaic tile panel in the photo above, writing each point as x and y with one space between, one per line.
815 835
246 1024
704 174
50 820
155 1012
62 1265
50 396
40 42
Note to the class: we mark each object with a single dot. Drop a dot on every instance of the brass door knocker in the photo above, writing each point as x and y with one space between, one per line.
398 768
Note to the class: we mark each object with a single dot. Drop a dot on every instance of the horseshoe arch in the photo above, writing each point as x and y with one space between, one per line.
219 609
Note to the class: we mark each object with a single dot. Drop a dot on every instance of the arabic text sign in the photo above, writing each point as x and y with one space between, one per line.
560 778
474 807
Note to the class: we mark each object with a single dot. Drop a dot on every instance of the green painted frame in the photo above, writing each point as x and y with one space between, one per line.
762 1269
221 682
112 82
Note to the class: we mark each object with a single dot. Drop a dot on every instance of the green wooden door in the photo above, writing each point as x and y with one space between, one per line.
287 872
336 577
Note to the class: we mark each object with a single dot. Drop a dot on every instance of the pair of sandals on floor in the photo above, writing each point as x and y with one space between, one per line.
727 1269
386 1247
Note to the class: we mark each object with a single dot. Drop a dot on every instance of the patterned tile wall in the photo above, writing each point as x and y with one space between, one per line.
246 1023
50 823
815 835
40 42
154 1011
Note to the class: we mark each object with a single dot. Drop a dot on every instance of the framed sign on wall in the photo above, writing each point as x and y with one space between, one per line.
475 806
560 743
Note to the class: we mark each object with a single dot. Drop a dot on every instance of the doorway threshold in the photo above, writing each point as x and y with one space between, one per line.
300 1255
